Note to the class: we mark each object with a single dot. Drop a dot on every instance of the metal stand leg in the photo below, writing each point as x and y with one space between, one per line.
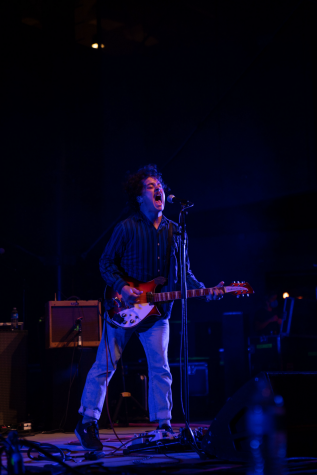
124 397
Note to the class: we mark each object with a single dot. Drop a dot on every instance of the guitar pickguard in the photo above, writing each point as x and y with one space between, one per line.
131 317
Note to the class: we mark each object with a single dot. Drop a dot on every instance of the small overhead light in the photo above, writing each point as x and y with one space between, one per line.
95 45
285 295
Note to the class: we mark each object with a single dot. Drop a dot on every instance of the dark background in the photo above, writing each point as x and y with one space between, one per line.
221 95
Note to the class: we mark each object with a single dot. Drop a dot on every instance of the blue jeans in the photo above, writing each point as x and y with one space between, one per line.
154 336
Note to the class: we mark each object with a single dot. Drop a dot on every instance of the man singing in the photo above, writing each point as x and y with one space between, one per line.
138 249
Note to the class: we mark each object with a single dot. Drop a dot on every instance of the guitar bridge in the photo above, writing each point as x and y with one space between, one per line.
118 319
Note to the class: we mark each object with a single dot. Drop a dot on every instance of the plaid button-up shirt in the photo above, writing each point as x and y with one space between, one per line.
137 249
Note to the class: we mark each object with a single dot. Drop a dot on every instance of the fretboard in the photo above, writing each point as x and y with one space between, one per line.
165 296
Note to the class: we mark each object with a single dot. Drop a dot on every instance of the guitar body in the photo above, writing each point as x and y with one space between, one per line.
130 316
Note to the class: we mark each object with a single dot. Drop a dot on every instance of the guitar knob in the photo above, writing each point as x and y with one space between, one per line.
124 323
132 321
124 315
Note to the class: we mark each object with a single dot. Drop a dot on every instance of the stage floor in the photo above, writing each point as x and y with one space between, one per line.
142 461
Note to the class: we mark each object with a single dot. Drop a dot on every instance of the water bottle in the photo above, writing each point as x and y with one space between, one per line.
14 319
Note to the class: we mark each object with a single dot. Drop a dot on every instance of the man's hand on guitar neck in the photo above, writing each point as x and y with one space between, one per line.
130 294
218 292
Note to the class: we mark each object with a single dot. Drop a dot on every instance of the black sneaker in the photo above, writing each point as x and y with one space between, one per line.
88 435
165 427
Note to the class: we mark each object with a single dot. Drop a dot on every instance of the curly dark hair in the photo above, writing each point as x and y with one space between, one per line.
134 183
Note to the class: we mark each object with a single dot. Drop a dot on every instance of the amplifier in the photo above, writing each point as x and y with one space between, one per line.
282 353
197 378
72 323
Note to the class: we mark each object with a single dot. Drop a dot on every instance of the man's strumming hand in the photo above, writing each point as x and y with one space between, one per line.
130 294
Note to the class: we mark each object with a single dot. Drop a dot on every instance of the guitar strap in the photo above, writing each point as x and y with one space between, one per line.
168 250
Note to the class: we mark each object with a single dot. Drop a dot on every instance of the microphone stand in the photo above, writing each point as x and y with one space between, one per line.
187 436
78 329
182 258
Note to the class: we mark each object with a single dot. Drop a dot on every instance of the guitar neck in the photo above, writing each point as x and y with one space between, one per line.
166 296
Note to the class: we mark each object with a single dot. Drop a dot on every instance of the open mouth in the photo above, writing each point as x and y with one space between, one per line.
158 198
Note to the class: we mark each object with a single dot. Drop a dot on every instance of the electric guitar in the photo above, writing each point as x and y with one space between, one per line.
129 316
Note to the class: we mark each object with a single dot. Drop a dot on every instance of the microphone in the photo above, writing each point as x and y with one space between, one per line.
173 199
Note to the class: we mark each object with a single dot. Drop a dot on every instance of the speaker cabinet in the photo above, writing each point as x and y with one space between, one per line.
13 369
228 437
62 318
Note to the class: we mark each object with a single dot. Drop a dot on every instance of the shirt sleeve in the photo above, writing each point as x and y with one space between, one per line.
110 261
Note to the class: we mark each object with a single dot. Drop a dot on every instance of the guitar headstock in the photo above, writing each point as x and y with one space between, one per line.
240 288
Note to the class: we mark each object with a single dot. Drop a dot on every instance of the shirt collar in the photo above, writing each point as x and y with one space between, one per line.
139 216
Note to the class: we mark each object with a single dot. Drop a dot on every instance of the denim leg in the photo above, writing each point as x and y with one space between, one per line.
114 340
154 339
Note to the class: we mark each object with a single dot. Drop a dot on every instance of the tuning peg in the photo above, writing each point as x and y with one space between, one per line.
248 295
238 282
242 281
238 296
242 295
234 281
